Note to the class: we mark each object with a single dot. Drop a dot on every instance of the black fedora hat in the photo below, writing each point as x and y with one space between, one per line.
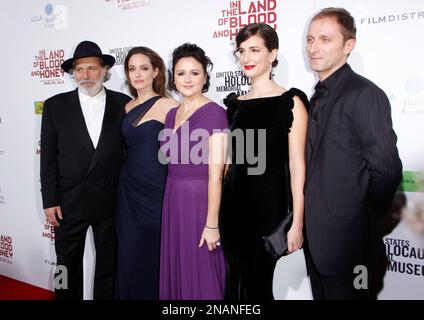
87 49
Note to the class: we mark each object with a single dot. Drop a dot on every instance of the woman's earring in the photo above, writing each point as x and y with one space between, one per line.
270 72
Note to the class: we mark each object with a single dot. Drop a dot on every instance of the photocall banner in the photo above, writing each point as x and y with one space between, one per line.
38 36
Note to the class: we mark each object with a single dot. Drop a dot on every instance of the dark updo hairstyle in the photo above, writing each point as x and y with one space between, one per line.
156 61
193 51
266 32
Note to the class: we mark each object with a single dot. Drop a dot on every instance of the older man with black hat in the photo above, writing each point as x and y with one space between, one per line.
81 157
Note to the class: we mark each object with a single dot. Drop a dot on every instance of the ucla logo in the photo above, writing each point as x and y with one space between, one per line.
36 19
48 9
54 17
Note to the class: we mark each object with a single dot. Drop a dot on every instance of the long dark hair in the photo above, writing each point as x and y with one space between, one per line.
159 81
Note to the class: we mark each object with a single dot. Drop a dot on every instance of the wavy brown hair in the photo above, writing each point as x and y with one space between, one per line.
159 81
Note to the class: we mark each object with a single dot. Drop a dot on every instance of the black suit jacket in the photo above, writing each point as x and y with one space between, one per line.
352 175
74 175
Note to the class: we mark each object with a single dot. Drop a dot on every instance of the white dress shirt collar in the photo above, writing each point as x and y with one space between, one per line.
93 109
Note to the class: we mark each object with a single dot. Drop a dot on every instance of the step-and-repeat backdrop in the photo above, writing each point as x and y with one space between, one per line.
38 35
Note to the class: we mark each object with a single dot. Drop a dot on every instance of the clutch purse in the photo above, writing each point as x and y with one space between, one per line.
276 241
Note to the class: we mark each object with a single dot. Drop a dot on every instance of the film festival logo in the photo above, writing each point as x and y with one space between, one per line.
129 4
6 249
47 66
119 54
240 13
48 231
54 17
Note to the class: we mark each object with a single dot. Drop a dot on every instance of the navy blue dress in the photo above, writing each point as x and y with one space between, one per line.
139 211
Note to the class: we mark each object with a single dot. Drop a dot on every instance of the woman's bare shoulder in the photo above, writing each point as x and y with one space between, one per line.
130 105
168 103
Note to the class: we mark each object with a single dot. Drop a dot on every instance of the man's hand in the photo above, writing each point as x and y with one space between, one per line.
52 214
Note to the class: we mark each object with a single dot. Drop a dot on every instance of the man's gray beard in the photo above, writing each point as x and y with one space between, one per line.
90 91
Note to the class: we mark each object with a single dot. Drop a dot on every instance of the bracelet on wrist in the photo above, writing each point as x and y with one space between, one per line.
211 227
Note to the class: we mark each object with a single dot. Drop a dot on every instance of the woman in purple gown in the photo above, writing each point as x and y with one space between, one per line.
194 143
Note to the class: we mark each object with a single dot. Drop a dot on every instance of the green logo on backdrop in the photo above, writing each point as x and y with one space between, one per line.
38 107
412 181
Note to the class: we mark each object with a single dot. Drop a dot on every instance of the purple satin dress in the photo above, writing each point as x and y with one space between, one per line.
188 272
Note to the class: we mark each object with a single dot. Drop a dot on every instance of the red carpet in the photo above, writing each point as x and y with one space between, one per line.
11 289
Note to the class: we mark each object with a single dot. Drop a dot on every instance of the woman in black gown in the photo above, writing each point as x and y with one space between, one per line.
255 196
143 177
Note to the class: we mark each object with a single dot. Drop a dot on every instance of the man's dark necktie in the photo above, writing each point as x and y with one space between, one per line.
317 103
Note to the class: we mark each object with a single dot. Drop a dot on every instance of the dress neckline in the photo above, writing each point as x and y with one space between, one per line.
174 130
269 97
150 120
143 103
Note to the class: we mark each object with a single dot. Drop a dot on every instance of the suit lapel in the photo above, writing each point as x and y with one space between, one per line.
109 121
76 116
337 92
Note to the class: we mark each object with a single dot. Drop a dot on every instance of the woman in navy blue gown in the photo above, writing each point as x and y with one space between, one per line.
143 177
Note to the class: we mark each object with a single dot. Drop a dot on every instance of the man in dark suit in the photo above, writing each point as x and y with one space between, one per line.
81 157
353 167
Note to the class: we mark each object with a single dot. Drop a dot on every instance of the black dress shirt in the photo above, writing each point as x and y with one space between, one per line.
318 103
